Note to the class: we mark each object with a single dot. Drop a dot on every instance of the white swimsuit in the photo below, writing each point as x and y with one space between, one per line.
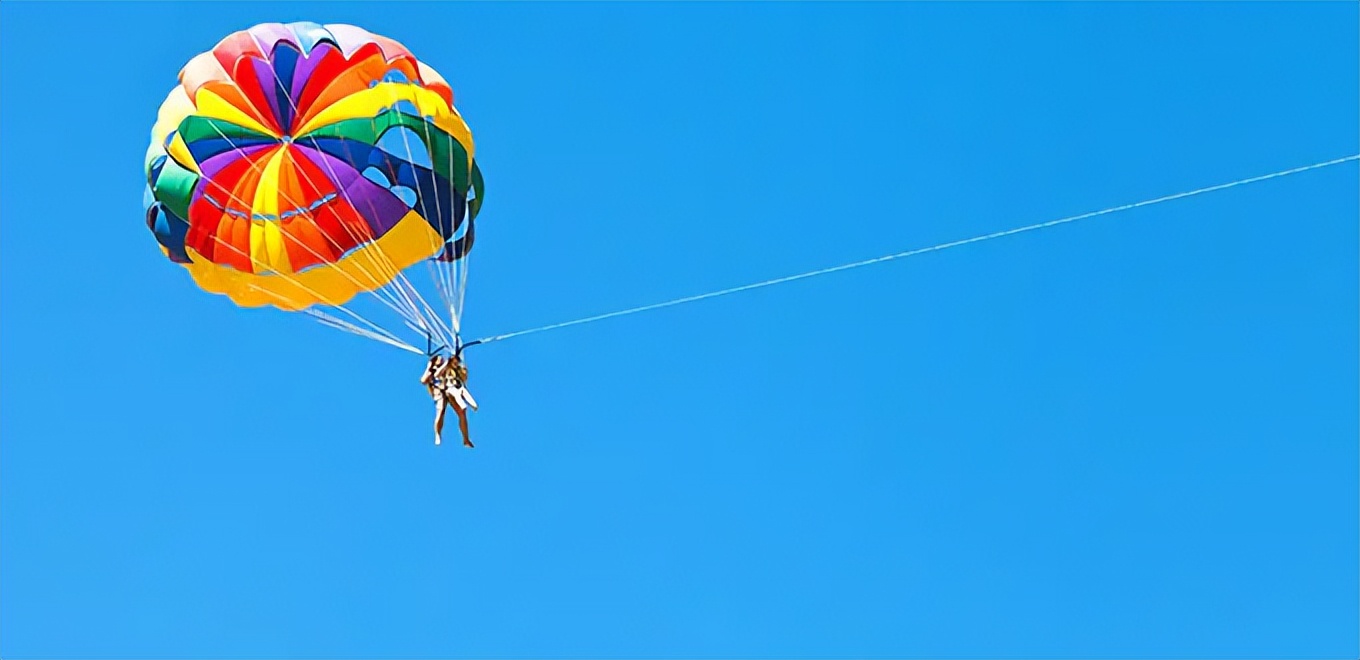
445 389
450 389
459 393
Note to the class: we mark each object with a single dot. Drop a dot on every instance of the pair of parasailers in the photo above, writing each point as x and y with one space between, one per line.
446 379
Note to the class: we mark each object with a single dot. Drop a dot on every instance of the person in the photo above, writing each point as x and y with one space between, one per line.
446 379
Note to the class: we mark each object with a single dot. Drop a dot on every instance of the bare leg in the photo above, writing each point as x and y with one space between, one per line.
438 421
462 423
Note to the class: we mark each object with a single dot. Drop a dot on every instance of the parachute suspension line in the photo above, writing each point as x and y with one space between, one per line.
441 275
392 302
346 326
285 277
231 195
433 271
441 284
341 324
376 257
433 316
444 285
427 319
392 97
455 271
381 262
391 272
255 168
464 265
459 270
911 253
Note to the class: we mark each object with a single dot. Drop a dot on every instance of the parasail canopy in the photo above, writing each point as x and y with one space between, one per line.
300 165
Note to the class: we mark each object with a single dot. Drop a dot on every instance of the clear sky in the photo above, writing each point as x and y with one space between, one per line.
1130 437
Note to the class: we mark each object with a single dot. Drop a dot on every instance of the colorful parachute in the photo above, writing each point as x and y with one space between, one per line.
300 165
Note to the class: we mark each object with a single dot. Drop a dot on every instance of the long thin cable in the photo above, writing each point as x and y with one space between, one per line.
912 253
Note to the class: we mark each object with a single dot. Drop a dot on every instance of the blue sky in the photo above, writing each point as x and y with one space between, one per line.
1130 437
